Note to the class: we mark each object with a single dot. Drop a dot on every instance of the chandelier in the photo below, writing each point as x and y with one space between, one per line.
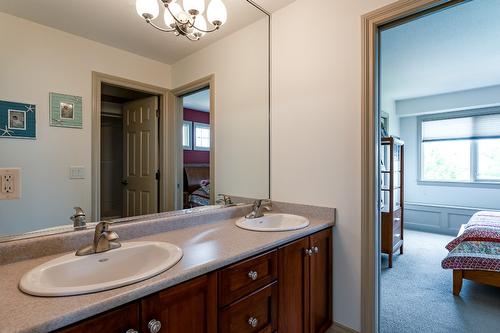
188 20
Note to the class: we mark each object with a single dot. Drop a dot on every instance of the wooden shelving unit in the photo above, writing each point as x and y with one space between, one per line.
391 194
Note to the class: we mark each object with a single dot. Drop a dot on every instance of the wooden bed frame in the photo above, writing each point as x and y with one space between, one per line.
484 277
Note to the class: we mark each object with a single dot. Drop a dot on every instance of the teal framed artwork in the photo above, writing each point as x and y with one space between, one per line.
65 110
17 120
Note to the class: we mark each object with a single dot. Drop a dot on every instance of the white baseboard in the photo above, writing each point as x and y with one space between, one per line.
339 328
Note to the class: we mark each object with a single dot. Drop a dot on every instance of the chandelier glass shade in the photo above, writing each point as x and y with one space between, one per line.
187 20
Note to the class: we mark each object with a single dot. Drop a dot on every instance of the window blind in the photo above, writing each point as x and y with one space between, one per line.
463 128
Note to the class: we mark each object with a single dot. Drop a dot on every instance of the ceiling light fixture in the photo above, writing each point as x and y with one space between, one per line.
187 20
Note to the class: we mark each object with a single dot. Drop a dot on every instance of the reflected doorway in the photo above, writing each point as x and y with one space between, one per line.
129 158
196 146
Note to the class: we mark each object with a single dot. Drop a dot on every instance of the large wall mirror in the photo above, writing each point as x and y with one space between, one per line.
102 108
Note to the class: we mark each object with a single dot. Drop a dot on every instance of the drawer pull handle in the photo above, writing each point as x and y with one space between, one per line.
252 321
131 330
253 275
154 326
308 252
315 250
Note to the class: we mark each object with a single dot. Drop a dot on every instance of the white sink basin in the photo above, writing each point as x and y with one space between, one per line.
74 275
273 222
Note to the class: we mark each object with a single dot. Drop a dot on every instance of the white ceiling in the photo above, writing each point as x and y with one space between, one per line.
198 101
116 23
452 50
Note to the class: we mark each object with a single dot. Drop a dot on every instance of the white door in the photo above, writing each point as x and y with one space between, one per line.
140 144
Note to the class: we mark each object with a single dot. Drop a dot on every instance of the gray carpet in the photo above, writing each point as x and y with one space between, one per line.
416 293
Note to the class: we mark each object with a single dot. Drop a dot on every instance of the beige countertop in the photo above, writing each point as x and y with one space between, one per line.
206 247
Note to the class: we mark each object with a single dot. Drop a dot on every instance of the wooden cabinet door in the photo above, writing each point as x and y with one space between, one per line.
320 287
293 277
115 321
190 307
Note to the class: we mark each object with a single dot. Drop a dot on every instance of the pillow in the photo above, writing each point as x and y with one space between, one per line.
476 233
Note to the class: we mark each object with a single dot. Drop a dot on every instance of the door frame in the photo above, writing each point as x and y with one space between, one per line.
370 136
165 190
176 105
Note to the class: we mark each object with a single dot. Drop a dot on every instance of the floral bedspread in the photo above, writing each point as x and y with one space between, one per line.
474 255
478 247
201 197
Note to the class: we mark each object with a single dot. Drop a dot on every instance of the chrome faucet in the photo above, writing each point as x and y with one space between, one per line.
104 240
258 207
225 200
79 219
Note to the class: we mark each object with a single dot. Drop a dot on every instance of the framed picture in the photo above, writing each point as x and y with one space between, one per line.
65 110
17 120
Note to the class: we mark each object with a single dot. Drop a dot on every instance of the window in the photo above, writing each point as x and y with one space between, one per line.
460 148
187 135
488 160
201 136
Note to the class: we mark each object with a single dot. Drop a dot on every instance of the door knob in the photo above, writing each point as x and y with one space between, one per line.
315 249
308 252
154 326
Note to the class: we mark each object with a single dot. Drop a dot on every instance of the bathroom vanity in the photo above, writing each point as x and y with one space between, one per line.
287 287
228 280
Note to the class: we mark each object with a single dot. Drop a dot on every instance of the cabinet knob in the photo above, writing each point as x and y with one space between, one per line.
315 249
308 252
252 321
131 330
253 275
154 326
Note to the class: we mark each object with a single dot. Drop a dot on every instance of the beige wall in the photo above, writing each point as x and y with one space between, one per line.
36 60
240 65
316 126
316 113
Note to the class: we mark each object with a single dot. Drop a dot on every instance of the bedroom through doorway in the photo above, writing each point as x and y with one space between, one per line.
439 170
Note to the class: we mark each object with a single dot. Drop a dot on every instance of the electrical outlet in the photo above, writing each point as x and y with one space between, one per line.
10 184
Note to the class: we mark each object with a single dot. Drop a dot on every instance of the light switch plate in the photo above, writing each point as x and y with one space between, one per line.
10 183
76 172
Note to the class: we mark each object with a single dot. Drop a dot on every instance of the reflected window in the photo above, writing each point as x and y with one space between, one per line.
201 136
187 130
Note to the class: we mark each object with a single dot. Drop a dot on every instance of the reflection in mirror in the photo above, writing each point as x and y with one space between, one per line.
119 120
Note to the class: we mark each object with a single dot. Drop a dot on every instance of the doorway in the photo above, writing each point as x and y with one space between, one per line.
371 136
130 150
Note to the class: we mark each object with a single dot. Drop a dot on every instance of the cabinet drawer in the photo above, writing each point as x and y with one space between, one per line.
256 313
245 277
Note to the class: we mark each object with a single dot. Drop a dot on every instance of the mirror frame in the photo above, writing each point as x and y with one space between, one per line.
167 102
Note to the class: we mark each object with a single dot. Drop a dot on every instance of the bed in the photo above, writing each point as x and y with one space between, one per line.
475 252
196 185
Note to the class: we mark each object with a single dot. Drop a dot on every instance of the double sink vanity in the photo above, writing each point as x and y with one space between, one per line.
230 269
126 131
